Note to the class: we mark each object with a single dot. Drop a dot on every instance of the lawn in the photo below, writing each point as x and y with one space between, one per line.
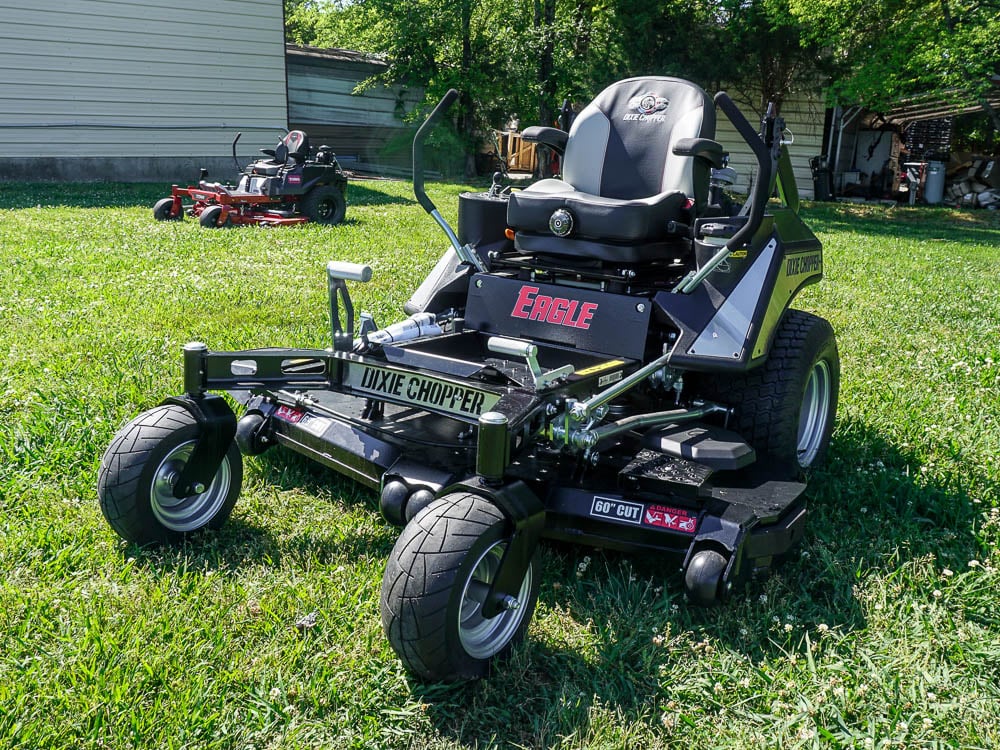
882 632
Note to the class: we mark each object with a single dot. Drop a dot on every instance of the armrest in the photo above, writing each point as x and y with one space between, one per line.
704 148
552 137
268 152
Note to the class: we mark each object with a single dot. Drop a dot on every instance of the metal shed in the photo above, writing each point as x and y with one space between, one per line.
365 128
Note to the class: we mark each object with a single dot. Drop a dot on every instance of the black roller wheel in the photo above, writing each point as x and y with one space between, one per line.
703 577
140 468
434 586
211 217
324 205
786 407
164 210
252 435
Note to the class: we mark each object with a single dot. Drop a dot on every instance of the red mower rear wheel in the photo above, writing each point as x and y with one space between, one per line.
324 205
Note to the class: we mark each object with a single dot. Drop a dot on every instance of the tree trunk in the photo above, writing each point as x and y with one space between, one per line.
467 119
545 18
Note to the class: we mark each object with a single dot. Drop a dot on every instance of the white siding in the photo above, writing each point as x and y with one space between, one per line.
803 112
94 78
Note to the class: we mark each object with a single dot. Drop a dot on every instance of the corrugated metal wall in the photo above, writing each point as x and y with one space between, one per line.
137 82
361 128
803 112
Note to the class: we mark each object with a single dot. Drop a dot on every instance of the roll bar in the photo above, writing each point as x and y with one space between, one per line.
418 149
465 253
765 147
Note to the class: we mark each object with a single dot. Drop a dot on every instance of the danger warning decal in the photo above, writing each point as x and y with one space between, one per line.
289 414
641 514
674 519
404 387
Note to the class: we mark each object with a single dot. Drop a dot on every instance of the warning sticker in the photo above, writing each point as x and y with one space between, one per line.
674 519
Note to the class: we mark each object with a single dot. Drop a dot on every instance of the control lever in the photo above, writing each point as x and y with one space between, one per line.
337 274
518 348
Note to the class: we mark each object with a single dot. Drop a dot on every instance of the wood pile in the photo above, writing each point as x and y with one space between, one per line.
973 181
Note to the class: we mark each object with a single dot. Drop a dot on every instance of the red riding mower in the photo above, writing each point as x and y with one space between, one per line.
608 358
287 188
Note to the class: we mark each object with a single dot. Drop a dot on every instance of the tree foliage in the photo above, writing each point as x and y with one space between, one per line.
887 50
521 58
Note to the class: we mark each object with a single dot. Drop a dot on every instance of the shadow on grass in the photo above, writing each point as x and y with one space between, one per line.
930 224
241 542
871 511
366 193
144 195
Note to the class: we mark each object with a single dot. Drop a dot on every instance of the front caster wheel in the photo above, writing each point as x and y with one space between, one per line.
435 583
211 218
138 472
703 577
164 210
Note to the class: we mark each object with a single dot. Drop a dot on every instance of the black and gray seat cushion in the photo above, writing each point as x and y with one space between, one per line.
621 182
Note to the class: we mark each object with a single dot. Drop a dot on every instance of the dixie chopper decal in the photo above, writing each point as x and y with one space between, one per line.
419 390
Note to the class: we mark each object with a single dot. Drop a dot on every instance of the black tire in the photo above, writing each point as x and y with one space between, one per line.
134 483
164 210
786 407
210 218
703 576
324 205
445 558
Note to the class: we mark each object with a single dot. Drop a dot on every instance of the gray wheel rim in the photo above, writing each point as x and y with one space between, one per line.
815 413
191 512
482 638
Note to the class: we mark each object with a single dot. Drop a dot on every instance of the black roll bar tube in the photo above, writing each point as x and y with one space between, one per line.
758 198
235 160
464 252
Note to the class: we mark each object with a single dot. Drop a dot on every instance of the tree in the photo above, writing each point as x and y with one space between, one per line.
521 58
765 52
889 50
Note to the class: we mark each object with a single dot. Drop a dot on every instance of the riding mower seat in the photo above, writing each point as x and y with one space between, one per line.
294 146
635 174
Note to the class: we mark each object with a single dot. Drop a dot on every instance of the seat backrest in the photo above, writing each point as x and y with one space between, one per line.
621 144
296 144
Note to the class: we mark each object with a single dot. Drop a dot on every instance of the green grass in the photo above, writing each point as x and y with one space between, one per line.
883 632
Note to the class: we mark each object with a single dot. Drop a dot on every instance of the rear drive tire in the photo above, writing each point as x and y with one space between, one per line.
786 407
135 484
211 218
164 210
433 589
324 205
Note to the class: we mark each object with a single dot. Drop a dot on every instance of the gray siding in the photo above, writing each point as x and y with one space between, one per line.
361 128
138 86
803 112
